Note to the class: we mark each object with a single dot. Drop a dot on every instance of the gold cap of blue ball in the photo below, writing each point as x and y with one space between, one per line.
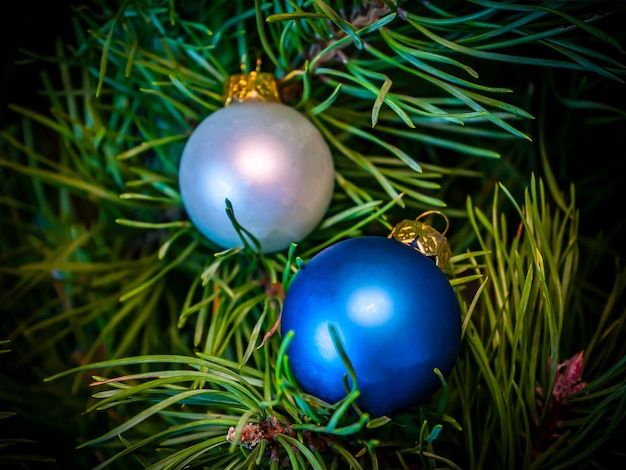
424 238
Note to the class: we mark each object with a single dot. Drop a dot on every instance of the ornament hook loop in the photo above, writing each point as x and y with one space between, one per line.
424 214
424 238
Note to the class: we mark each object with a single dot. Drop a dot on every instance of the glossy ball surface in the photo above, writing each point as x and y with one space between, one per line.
269 161
395 312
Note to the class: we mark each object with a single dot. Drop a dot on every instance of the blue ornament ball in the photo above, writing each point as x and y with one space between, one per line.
396 315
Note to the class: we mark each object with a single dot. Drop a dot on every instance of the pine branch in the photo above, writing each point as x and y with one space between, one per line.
102 272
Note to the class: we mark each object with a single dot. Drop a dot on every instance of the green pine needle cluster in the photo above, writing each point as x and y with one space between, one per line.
138 343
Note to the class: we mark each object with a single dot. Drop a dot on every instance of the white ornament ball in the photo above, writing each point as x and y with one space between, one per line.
269 161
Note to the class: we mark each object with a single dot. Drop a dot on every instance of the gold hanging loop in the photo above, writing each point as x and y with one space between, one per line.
424 238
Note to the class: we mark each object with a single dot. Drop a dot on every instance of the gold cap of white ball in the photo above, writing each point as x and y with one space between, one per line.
254 85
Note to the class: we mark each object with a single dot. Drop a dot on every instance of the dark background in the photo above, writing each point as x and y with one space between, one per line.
30 25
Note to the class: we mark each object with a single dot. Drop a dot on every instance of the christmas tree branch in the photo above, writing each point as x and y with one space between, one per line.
530 290
101 269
